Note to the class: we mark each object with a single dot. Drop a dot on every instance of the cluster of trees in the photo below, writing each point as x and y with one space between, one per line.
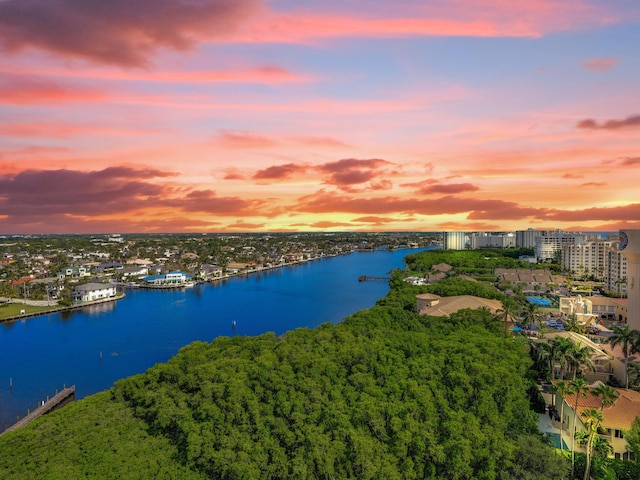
385 394
471 262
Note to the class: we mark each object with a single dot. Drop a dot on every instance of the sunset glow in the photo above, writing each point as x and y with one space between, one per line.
248 115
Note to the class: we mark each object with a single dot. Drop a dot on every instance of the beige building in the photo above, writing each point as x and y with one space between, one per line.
588 258
617 417
436 306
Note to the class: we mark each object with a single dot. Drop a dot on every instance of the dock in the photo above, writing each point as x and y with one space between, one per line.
59 400
366 278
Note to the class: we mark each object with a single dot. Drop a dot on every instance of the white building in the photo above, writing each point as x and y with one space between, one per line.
454 240
90 292
588 258
527 238
171 278
549 244
615 275
492 240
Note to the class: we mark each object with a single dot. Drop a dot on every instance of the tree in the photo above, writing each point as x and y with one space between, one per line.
579 387
562 388
506 313
634 375
593 420
632 436
629 341
562 350
531 315
607 394
572 324
579 357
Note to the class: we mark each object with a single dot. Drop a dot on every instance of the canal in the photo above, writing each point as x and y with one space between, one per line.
93 347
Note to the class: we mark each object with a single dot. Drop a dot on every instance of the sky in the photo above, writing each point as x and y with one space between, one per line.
350 115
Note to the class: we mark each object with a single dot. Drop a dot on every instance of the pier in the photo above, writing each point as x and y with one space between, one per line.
59 400
365 278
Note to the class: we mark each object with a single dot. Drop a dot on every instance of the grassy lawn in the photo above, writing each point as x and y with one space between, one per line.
13 309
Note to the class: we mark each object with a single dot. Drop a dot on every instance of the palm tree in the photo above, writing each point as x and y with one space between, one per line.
543 358
593 420
506 313
562 388
572 324
608 395
634 375
579 387
562 349
580 357
629 340
531 314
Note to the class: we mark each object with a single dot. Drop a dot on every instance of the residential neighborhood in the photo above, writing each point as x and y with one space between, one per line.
51 269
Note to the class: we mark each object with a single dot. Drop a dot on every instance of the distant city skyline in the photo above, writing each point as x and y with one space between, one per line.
256 116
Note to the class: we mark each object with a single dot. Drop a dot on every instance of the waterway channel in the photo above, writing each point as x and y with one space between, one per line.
95 346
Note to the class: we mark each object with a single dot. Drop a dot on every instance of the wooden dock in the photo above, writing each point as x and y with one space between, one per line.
59 400
366 278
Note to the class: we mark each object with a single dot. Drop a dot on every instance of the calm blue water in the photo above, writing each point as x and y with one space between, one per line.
149 326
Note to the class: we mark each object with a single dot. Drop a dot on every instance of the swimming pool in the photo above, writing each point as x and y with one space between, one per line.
555 440
541 301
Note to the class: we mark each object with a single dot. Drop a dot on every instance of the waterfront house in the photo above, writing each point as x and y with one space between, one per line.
617 417
207 272
73 272
172 278
139 271
90 292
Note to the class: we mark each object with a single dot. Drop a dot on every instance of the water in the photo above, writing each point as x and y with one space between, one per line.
555 441
95 346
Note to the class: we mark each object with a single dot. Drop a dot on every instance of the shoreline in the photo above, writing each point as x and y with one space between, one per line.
59 309
212 281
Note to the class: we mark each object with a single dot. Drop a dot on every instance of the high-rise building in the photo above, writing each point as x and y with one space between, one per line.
491 240
588 258
549 244
630 247
454 240
527 238
615 276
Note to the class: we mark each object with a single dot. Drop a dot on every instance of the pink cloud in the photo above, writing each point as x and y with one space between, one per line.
122 32
249 140
28 91
593 184
351 171
233 174
38 194
469 18
279 172
629 161
478 208
614 124
67 130
316 141
600 64
207 201
448 189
